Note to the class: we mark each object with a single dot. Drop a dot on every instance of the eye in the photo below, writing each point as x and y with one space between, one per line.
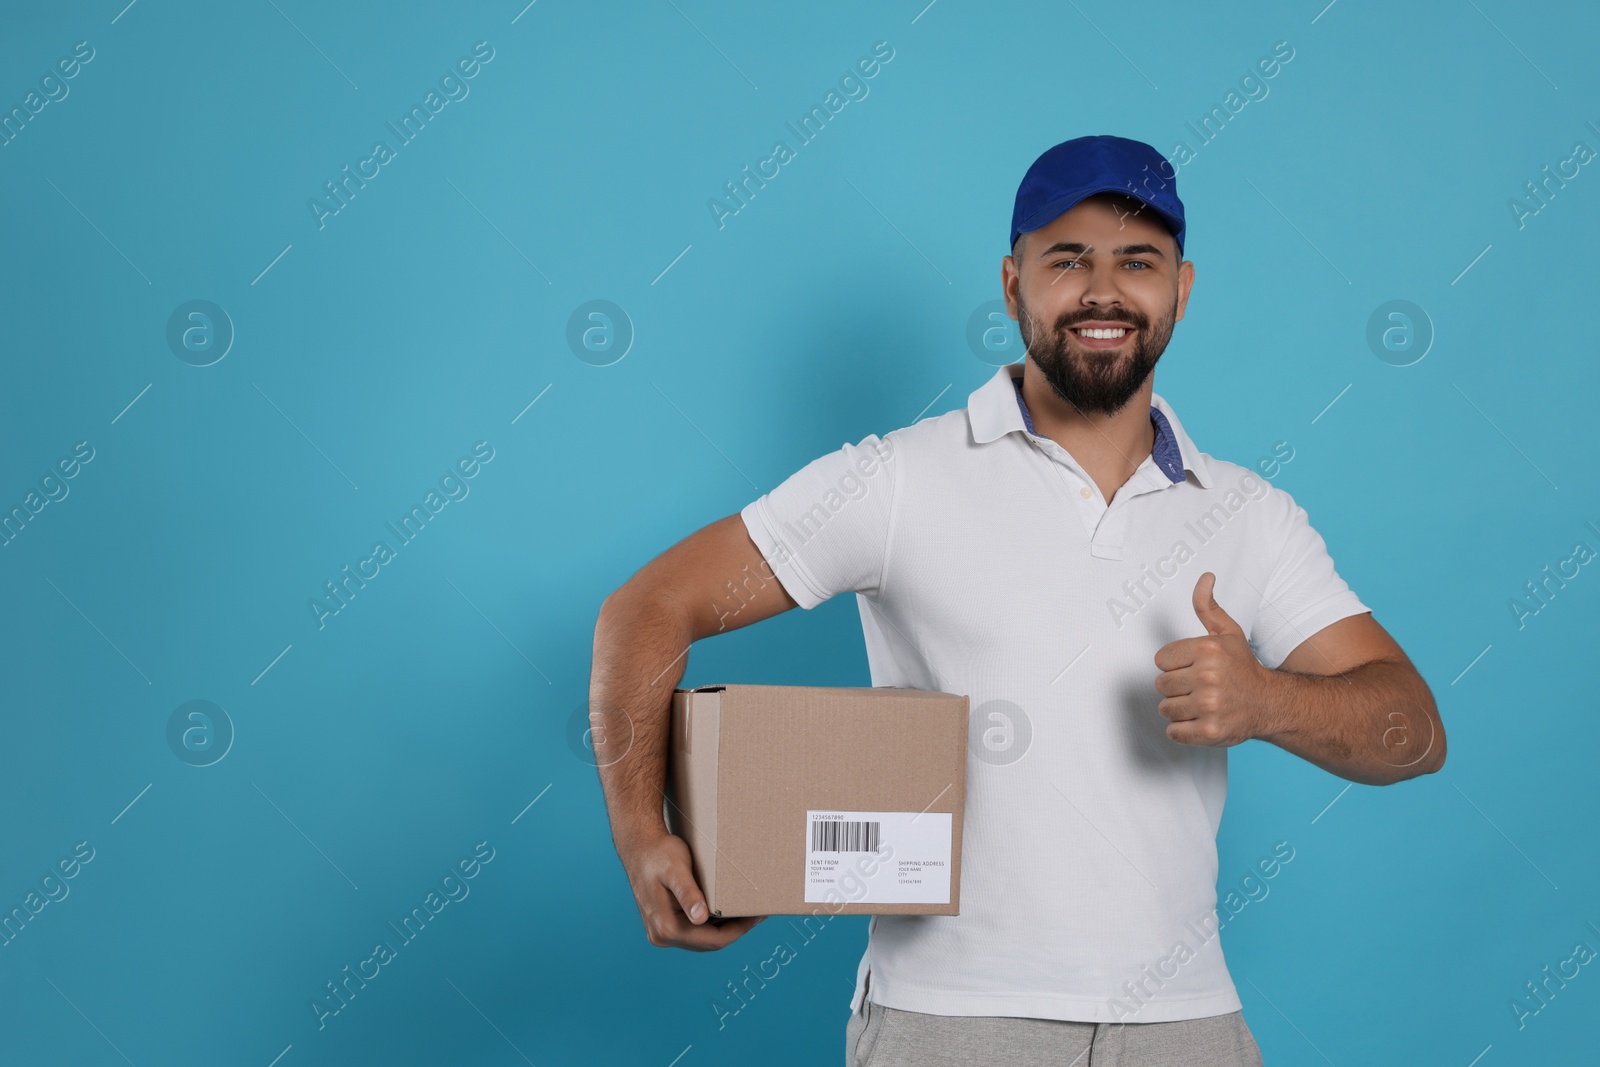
1065 262
1137 263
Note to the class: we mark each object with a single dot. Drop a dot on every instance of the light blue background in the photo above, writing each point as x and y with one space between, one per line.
429 313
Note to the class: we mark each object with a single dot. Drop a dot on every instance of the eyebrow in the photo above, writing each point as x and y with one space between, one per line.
1082 249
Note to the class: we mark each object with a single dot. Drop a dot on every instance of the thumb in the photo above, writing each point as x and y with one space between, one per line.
689 897
1209 612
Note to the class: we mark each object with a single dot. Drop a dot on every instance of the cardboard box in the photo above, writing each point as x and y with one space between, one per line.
796 800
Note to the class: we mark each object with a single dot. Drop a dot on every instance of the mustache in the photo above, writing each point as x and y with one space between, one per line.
1066 323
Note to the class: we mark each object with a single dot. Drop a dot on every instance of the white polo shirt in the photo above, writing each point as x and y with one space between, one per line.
986 563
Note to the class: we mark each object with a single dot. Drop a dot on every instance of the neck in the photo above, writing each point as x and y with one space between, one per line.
1109 447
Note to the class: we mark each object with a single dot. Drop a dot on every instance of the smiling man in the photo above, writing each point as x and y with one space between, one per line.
1120 608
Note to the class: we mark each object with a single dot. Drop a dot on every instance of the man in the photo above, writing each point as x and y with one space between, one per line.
1120 607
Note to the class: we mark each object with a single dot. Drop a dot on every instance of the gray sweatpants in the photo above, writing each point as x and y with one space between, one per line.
880 1036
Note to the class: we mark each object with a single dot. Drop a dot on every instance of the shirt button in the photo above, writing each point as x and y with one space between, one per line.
1083 491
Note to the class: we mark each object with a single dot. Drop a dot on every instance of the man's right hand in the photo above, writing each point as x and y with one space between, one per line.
670 902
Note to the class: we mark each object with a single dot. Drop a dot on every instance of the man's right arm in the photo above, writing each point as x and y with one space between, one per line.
713 581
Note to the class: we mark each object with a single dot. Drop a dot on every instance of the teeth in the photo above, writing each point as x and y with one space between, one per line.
1100 334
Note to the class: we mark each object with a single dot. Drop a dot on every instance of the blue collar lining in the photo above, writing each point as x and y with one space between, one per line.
1166 453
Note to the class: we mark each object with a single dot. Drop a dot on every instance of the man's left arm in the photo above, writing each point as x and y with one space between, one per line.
1347 698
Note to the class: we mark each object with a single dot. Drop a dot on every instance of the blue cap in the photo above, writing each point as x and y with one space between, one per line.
1084 166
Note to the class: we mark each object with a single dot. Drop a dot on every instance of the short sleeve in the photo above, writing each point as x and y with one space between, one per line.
825 529
1304 592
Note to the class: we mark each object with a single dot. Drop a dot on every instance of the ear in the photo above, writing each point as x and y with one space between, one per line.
1011 276
1185 283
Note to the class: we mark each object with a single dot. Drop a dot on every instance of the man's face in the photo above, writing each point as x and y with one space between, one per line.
1098 264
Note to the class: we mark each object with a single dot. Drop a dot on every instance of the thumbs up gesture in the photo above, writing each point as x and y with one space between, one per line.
1216 691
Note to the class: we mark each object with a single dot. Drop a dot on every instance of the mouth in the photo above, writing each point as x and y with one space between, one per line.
1102 337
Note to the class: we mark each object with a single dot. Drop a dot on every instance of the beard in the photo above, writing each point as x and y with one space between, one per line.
1091 379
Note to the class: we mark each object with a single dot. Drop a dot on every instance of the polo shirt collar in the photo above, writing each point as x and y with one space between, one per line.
996 408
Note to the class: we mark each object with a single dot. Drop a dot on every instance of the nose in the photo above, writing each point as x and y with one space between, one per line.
1101 292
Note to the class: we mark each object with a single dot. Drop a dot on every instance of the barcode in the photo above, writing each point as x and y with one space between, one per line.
839 836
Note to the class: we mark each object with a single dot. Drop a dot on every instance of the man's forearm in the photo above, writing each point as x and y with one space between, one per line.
1376 724
640 652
